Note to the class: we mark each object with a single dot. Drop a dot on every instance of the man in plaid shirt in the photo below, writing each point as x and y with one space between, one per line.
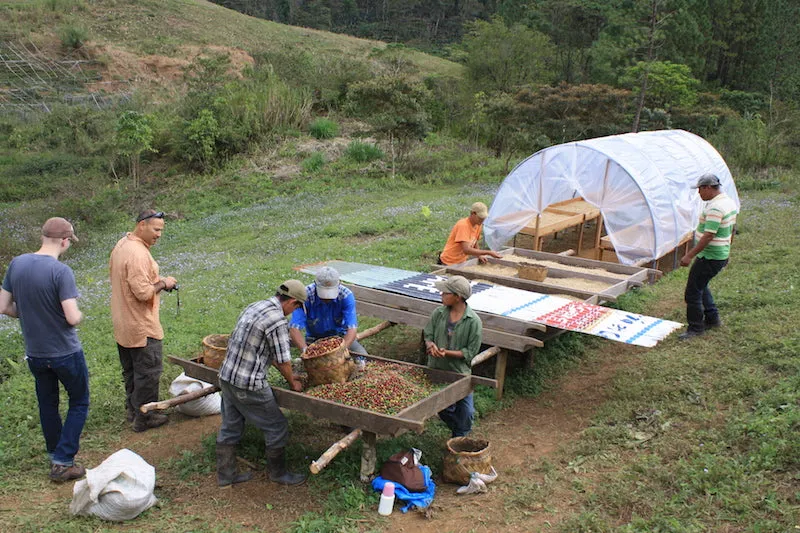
260 338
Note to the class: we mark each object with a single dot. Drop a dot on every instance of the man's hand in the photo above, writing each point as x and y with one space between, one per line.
686 260
296 385
169 283
482 259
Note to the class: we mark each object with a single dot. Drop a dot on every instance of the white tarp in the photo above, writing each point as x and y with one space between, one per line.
641 182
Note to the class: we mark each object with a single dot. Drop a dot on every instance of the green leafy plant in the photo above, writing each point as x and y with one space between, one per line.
323 128
362 152
134 136
314 162
73 37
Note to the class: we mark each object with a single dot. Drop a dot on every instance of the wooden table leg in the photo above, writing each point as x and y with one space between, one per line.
369 456
500 372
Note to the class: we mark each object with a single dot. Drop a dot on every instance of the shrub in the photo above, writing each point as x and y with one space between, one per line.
323 128
73 37
313 163
362 152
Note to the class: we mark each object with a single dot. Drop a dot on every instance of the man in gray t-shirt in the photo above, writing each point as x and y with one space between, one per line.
40 291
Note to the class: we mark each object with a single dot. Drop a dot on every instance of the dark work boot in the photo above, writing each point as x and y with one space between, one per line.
130 414
711 324
145 421
226 467
276 462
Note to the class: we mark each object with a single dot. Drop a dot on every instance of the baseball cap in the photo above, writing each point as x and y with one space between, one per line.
293 289
709 180
458 285
327 283
480 209
59 228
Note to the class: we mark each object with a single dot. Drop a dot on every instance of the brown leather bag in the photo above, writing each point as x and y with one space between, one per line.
402 468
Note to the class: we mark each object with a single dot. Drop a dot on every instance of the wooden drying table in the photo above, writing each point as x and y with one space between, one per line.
562 215
503 333
369 423
606 246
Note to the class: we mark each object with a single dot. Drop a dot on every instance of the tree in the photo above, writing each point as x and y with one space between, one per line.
395 106
502 58
668 84
134 136
496 120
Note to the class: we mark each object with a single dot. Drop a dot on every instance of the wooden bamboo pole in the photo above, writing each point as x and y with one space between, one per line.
373 330
183 398
342 444
485 355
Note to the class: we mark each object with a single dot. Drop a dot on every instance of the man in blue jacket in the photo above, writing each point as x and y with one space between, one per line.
330 310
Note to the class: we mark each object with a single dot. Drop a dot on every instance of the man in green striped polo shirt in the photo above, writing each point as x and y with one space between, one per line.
710 253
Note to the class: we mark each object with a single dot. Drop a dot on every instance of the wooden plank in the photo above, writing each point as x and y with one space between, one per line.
550 223
178 400
443 398
425 307
554 272
526 285
576 261
510 341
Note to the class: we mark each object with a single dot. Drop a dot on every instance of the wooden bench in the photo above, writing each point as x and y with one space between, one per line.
559 216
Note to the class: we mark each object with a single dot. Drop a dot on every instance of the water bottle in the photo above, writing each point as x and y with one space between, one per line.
387 499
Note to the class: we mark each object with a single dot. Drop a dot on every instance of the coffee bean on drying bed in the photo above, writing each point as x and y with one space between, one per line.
383 387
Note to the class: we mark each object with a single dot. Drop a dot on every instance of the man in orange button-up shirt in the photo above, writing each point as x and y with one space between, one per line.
135 288
464 237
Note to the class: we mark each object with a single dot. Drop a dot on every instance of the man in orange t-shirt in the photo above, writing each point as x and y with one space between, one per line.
464 237
135 288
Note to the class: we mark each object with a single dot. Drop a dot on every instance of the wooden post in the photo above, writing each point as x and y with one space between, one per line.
183 398
317 466
375 329
369 456
500 372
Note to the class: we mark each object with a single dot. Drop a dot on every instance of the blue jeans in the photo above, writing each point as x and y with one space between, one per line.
62 441
700 306
458 416
258 407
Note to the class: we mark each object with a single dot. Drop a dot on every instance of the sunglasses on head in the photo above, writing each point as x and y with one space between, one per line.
159 214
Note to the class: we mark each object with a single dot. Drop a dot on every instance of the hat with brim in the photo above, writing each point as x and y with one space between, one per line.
480 210
327 283
59 228
707 180
293 289
457 285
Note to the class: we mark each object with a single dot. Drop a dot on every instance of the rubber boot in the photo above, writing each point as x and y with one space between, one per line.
145 421
276 462
226 467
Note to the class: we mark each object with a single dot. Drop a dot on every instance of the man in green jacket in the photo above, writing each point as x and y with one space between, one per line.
452 338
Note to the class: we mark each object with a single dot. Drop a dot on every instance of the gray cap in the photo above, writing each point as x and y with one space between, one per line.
457 285
327 283
293 289
707 180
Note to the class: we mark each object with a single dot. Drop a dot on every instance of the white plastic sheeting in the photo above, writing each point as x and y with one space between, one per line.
641 182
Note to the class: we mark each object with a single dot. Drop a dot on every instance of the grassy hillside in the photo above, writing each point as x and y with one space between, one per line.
174 28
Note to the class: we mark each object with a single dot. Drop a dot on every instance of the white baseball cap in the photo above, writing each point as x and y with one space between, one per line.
327 283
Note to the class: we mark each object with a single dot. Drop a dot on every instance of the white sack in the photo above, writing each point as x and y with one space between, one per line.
207 405
120 488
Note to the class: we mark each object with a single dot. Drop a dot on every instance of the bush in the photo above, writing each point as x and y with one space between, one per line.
323 128
73 37
362 152
313 163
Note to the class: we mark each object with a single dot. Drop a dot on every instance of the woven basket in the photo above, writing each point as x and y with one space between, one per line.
532 272
214 349
464 456
333 366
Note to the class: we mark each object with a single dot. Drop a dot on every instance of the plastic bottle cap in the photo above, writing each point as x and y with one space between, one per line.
388 489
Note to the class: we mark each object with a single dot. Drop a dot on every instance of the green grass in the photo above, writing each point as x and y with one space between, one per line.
323 128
